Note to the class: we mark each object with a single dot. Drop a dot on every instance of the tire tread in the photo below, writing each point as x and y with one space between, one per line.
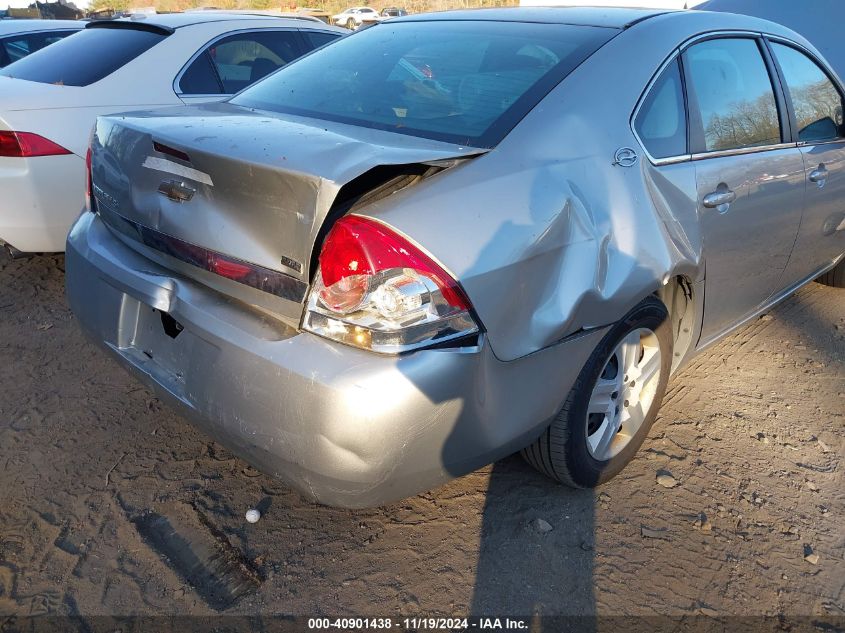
548 453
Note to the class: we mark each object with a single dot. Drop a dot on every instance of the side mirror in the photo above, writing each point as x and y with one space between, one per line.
824 129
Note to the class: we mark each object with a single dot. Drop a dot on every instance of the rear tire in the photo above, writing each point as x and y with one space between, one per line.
350 24
834 277
580 448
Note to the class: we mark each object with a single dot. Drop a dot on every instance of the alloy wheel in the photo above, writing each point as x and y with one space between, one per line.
623 394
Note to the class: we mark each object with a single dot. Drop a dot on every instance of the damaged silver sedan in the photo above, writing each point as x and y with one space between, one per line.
451 237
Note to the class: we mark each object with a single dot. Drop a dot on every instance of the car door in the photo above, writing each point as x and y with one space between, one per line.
234 61
749 176
815 106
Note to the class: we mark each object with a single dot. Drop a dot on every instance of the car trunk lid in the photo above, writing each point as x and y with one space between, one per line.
250 187
19 94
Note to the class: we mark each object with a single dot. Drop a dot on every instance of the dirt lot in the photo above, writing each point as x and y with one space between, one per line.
98 481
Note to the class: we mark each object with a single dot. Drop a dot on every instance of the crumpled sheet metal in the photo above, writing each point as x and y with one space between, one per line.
546 234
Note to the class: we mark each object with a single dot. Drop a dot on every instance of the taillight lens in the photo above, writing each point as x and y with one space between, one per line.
376 290
89 185
27 144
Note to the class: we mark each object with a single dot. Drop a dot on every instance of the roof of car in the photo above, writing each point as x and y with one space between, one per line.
612 17
7 27
179 20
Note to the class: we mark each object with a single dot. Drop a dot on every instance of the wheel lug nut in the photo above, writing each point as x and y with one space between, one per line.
633 383
626 403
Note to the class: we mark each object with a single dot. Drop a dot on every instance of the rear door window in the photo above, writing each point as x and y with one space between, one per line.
200 78
815 99
316 39
732 89
661 122
244 58
85 57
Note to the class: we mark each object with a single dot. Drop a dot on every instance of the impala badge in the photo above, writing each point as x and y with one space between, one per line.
625 157
176 191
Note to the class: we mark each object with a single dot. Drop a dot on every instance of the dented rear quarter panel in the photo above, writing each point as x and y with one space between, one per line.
546 235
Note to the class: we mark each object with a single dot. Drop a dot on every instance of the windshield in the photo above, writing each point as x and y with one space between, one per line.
85 57
465 82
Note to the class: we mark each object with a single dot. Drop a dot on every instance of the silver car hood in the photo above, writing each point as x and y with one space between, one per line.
259 187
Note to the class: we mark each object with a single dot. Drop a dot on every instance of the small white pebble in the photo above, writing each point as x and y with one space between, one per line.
252 515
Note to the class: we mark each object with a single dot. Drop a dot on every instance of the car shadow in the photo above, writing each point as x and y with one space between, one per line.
543 564
800 313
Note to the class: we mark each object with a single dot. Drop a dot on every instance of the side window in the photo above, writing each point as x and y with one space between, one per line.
52 38
17 48
816 101
732 88
244 58
316 39
201 77
661 122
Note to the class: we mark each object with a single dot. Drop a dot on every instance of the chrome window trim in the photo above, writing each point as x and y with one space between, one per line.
739 151
679 50
754 149
711 35
668 160
835 79
828 72
840 140
210 42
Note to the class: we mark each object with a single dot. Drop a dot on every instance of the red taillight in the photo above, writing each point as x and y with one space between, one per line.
357 248
376 290
27 145
88 175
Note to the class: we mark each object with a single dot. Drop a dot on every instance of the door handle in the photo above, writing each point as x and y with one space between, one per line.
719 200
818 175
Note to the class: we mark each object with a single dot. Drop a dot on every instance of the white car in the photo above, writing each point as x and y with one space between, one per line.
353 18
19 38
50 100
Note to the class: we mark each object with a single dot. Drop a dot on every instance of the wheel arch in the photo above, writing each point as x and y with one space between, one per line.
680 295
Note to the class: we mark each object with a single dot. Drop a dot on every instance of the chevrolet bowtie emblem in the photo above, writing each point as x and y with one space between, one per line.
176 191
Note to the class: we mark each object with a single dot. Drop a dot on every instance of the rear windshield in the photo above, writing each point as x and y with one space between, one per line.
466 82
84 57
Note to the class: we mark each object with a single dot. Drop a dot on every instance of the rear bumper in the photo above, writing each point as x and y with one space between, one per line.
343 426
41 198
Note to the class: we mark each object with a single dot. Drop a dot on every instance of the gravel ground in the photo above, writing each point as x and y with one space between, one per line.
734 506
